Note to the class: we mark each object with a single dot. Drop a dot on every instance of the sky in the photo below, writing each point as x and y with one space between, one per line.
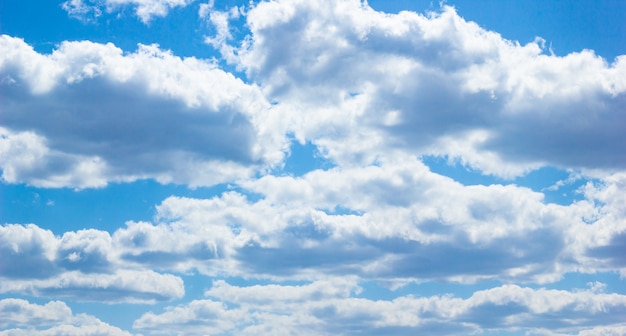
312 167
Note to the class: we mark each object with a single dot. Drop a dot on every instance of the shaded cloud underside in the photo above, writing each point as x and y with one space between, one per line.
373 92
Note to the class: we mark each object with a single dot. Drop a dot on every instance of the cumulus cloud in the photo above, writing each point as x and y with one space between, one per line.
79 266
390 222
146 10
362 83
88 114
328 312
20 317
359 84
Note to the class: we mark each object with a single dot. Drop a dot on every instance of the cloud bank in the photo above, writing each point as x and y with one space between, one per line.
505 308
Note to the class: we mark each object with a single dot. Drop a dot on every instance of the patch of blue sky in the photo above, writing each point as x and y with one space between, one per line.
566 26
458 172
341 210
376 290
304 158
583 281
45 24
65 209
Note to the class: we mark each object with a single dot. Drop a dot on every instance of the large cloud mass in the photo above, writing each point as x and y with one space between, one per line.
360 82
292 310
88 114
390 223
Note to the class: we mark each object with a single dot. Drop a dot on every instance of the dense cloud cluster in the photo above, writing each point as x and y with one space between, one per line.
360 83
374 93
112 116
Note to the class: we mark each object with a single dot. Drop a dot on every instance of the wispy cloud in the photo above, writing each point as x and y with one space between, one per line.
146 10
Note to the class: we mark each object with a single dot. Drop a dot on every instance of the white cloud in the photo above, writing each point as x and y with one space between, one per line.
80 266
88 114
20 317
196 318
395 222
85 11
616 330
283 297
25 156
504 308
366 83
120 286
146 10
606 238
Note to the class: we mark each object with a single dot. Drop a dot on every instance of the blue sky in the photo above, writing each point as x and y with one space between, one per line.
312 167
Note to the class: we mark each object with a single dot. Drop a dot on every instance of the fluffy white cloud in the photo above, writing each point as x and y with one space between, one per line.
88 114
616 330
358 83
19 317
80 266
606 238
393 222
196 318
25 156
399 220
115 287
294 310
362 83
146 10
